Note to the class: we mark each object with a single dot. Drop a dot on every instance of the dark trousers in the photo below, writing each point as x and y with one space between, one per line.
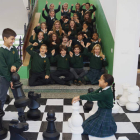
38 79
68 76
4 86
78 72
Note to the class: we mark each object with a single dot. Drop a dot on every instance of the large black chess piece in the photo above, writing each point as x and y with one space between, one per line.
3 131
88 105
34 104
16 129
51 133
20 99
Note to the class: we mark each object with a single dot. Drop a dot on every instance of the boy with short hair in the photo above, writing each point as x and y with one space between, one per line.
40 67
63 68
9 63
77 65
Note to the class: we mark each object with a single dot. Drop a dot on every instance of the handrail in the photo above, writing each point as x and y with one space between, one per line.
19 48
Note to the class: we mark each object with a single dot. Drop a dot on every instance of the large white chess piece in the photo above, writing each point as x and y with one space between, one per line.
94 108
116 108
123 99
123 138
77 128
75 107
133 99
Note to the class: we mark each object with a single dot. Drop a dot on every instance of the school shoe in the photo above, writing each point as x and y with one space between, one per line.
22 119
75 82
79 83
68 83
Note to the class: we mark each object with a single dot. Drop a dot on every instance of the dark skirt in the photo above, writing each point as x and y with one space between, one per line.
94 75
101 124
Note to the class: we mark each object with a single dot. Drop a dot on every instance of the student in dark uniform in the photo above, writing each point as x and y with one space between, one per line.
97 61
102 123
77 10
63 68
49 19
40 66
87 6
51 8
65 11
86 31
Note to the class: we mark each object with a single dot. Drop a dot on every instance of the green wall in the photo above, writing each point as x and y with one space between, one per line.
42 3
105 34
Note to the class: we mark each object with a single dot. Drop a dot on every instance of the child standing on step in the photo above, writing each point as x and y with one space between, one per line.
102 123
63 68
40 66
9 63
97 61
65 11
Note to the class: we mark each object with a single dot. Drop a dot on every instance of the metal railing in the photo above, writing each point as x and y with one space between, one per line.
19 48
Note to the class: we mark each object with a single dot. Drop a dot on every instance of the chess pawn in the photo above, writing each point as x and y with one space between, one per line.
20 99
75 107
3 131
51 133
77 128
34 104
116 108
94 108
123 99
89 104
123 138
16 129
133 99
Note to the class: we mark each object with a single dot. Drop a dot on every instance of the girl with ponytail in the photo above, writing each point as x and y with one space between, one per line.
101 124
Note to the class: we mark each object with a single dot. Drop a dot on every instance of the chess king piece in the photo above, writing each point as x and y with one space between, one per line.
34 104
123 99
3 131
75 107
133 99
77 128
94 108
88 105
116 108
51 133
20 99
16 129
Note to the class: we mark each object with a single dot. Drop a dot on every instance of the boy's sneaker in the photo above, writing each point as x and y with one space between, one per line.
79 83
75 82
22 119
68 83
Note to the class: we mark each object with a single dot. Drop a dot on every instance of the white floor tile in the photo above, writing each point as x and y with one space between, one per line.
34 126
66 128
107 138
12 102
10 115
55 102
133 117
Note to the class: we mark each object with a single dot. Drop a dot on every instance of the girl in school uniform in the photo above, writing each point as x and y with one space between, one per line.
65 10
97 61
102 123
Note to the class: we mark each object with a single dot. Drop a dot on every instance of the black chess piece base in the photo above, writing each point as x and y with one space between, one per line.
33 114
3 133
51 136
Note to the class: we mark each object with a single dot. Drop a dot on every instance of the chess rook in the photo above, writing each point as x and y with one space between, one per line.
34 104
88 105
51 133
3 131
16 129
20 99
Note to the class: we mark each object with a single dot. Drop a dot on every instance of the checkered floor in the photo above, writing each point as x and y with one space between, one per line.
128 123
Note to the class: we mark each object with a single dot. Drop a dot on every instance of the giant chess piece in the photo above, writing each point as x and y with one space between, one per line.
88 105
3 131
123 99
77 128
16 130
94 108
132 105
75 107
34 104
51 133
20 99
116 108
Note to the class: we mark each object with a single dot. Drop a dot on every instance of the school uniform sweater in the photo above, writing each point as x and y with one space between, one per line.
39 64
79 14
38 29
95 62
66 13
8 58
90 10
49 21
62 62
90 24
104 98
92 45
55 10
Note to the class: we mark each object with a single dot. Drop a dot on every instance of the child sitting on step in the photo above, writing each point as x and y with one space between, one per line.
101 124
63 68
40 66
97 61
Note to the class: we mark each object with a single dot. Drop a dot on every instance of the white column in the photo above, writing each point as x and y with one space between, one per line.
126 43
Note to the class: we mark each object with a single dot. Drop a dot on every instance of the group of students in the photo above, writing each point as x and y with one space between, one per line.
66 43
